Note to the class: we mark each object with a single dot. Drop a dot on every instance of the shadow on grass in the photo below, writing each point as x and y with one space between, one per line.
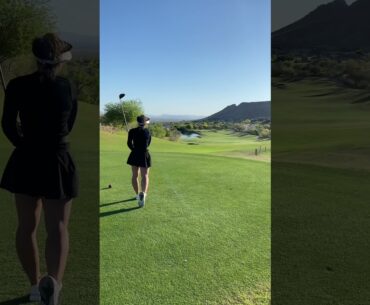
110 213
17 301
324 94
116 202
362 100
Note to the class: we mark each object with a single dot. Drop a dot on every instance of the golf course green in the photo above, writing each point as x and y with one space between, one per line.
84 223
203 236
320 187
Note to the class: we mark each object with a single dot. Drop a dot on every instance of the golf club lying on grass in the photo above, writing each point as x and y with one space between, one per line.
123 111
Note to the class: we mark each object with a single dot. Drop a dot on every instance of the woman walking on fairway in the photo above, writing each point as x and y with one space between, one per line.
40 171
138 141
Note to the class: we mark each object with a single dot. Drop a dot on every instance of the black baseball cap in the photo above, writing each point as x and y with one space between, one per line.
142 119
50 49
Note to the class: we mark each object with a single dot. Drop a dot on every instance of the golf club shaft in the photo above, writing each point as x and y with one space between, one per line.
124 116
2 78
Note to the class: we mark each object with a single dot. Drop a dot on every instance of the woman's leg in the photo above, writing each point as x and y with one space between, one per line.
144 179
29 211
134 179
57 214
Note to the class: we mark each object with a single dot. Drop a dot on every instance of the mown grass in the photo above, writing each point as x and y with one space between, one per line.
204 236
319 123
320 179
211 142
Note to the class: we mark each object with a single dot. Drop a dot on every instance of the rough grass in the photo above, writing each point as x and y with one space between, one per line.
204 236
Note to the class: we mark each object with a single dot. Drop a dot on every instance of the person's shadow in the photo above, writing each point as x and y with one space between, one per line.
116 202
17 301
109 213
124 210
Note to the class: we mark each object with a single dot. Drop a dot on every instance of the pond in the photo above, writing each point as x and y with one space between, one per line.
189 136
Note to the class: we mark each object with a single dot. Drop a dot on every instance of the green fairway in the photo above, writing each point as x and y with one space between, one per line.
321 123
84 226
320 178
204 235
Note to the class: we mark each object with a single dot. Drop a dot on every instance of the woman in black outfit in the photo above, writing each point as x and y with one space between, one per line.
40 171
138 141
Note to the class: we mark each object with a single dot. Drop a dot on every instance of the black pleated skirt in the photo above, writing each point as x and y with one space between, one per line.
140 159
43 173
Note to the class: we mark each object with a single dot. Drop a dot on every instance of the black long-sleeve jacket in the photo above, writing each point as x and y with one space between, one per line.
46 109
139 139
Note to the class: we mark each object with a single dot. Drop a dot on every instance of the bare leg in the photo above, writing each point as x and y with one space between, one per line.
57 243
144 179
29 211
134 179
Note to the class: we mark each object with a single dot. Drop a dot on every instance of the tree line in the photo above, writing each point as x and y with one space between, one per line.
23 20
350 70
113 116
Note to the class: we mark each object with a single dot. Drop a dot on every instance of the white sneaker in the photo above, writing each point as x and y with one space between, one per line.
49 290
35 294
141 202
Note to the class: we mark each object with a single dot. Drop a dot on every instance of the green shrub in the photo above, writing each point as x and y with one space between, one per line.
173 134
157 130
264 133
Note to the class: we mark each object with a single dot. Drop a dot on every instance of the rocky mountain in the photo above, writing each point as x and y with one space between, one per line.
243 111
333 26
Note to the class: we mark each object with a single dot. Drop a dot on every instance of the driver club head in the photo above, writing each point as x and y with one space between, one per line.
121 95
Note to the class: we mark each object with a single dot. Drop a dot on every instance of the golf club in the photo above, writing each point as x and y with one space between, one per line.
123 111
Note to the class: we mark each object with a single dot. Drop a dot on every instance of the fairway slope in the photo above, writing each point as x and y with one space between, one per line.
320 175
337 137
203 237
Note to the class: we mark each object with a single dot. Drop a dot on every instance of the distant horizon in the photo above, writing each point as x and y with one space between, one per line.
190 114
203 115
174 114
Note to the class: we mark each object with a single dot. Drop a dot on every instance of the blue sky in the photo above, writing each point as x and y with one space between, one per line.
185 56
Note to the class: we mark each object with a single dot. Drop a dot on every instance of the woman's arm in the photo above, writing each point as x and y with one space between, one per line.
149 139
10 113
130 139
73 114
